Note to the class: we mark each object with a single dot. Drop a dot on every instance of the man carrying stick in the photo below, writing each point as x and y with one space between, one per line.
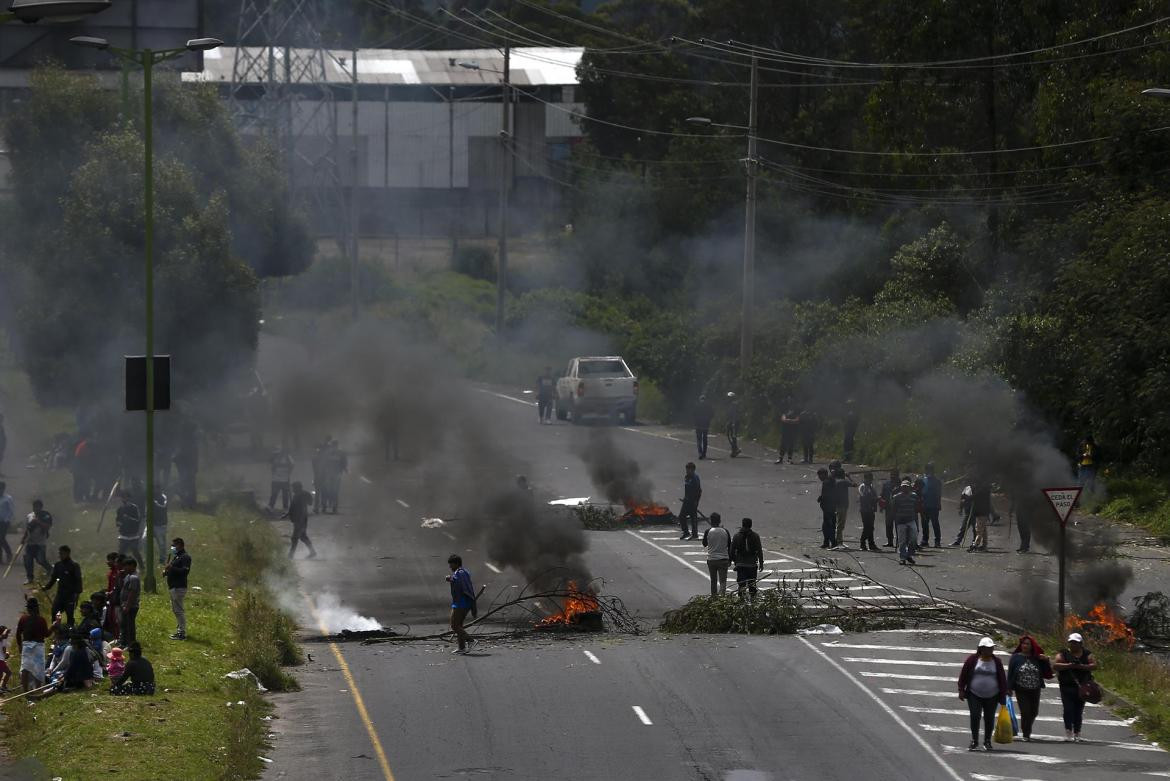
462 601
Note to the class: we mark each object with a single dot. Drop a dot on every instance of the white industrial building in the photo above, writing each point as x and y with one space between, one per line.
428 124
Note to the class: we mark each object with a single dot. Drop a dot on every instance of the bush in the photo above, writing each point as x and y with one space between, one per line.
327 284
773 612
475 262
264 640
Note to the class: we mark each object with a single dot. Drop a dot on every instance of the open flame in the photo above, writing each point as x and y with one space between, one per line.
648 511
577 603
1102 624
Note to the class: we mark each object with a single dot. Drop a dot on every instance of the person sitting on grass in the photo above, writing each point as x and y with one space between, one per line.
137 678
117 663
60 642
74 668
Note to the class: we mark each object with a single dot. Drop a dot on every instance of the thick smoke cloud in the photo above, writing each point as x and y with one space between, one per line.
613 472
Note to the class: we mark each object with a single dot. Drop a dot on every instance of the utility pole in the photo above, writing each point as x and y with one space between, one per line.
453 218
749 227
353 200
505 184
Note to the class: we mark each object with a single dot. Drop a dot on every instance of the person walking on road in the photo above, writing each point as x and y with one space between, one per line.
281 467
177 569
7 516
463 599
692 493
36 538
981 513
965 520
131 596
733 423
717 541
886 502
66 575
867 505
546 388
828 502
808 434
298 513
931 506
1074 666
789 427
129 523
1027 670
747 551
906 505
983 685
843 485
703 414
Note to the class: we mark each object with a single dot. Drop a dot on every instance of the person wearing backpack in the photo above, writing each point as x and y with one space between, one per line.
717 541
1026 673
748 554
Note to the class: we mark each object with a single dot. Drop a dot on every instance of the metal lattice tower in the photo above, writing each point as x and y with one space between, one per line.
280 88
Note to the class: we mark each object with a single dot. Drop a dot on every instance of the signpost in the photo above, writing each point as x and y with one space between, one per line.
1063 500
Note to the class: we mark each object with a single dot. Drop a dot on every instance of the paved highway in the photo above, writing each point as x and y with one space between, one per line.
734 708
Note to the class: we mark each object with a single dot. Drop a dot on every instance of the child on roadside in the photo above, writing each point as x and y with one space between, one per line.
117 664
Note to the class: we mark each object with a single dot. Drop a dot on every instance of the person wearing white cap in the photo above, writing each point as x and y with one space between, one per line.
1074 666
983 685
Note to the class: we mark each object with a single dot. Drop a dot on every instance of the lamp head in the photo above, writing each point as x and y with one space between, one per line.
90 42
32 11
203 44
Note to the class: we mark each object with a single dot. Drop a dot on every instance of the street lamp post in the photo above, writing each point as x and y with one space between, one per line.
749 222
147 59
33 11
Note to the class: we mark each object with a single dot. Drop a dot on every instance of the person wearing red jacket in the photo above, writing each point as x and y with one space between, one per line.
983 685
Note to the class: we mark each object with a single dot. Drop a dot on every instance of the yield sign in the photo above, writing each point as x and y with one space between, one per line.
1062 501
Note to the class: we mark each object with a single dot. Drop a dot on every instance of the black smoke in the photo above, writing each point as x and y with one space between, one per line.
613 472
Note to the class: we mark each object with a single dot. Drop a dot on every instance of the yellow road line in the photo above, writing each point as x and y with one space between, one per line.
357 695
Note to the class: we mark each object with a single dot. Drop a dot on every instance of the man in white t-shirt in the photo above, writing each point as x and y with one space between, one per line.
717 541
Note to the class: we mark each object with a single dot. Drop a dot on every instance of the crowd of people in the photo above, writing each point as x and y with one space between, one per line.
81 642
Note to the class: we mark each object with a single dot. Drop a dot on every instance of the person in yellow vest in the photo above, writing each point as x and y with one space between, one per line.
1087 465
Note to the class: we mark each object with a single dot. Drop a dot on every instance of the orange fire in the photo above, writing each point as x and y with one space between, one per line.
576 603
646 510
1102 624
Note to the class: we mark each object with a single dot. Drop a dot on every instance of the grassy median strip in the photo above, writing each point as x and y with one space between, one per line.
199 725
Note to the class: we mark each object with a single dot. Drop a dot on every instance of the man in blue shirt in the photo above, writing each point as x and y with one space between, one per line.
462 601
931 506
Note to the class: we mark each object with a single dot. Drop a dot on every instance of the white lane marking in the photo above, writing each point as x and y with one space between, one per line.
365 480
681 546
1053 738
798 569
925 632
641 714
493 568
525 402
922 649
866 598
402 503
674 556
1019 757
966 714
1052 699
865 674
914 662
818 580
591 657
890 711
695 553
671 438
1159 773
987 777
449 536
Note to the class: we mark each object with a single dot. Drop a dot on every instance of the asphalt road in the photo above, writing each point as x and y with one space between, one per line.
735 708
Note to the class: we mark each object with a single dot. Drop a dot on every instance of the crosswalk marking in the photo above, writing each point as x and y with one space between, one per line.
919 649
966 714
1039 759
1053 699
926 632
1038 738
909 662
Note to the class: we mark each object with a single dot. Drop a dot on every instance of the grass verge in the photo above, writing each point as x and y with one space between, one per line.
1141 500
199 725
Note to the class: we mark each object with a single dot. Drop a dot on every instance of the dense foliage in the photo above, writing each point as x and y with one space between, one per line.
72 246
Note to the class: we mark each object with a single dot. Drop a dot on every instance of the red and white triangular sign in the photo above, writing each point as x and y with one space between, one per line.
1062 500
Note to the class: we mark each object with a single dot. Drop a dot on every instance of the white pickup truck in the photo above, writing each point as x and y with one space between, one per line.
597 385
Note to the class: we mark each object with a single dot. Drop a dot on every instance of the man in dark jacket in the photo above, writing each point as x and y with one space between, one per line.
129 522
67 577
298 513
692 493
733 423
748 554
885 501
177 569
789 426
906 506
828 502
931 506
808 435
703 414
843 485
